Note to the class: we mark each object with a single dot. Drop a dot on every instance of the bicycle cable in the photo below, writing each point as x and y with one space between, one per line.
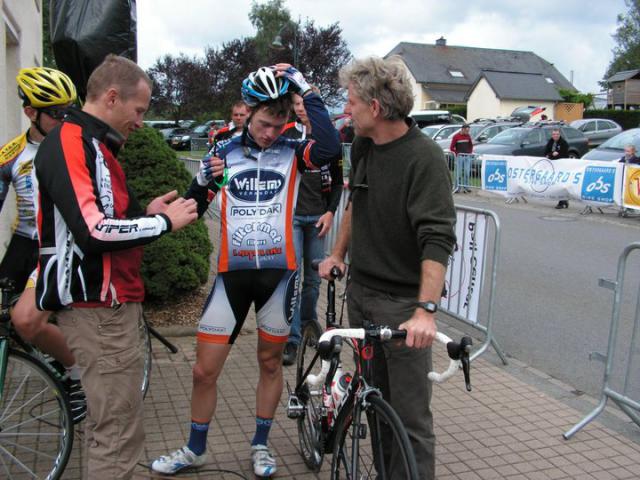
183 474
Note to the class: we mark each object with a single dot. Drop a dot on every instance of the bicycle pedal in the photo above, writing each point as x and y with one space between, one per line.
294 408
362 431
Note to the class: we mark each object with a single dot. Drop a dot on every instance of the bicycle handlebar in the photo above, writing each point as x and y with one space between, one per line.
458 352
335 273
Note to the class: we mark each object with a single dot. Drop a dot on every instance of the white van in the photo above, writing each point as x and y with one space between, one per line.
431 117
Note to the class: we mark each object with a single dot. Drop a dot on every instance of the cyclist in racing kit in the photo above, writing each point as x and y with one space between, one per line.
46 94
257 262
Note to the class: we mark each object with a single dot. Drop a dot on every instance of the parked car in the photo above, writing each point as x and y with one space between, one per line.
440 132
532 140
431 117
597 130
481 132
167 133
613 149
181 139
526 113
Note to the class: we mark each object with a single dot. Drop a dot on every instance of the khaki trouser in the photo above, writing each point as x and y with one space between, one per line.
105 342
400 373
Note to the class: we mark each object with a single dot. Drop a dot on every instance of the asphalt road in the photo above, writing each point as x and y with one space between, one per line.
550 312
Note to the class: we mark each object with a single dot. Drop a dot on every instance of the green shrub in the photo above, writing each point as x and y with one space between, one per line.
625 118
178 262
458 110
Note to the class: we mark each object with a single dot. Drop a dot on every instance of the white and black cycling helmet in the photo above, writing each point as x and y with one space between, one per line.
263 85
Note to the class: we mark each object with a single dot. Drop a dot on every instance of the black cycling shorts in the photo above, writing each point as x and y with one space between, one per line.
274 293
20 259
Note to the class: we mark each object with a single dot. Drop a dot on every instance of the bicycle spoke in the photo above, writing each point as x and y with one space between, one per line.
37 452
31 420
22 407
18 462
24 380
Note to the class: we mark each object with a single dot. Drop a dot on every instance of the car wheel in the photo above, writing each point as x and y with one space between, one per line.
574 155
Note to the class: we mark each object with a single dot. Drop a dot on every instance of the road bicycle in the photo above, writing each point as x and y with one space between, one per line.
345 414
36 419
36 425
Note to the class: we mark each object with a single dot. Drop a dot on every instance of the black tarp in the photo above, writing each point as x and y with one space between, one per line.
83 32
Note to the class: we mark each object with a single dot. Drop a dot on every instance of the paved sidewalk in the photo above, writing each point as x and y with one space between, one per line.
509 427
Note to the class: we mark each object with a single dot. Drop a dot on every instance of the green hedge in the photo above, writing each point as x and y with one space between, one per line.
178 262
626 118
458 110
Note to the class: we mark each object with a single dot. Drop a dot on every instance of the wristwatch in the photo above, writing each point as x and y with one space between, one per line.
431 307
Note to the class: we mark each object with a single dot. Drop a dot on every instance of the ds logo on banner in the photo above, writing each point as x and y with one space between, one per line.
598 183
495 175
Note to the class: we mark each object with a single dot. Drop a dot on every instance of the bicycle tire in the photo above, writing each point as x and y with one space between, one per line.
146 353
353 460
310 435
36 428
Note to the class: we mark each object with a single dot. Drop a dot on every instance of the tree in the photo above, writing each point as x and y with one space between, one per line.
181 87
48 60
188 87
626 54
178 262
268 19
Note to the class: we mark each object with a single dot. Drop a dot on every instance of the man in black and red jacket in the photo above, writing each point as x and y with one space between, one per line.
461 143
91 231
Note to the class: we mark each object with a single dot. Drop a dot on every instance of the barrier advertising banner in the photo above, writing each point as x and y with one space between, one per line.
596 183
465 271
631 191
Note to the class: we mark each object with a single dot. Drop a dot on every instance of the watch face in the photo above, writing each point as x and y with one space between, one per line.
430 307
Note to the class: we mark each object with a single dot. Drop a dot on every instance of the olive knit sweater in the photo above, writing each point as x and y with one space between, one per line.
403 211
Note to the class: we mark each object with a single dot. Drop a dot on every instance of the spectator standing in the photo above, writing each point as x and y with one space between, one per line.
630 155
91 231
318 198
239 114
556 148
399 227
461 143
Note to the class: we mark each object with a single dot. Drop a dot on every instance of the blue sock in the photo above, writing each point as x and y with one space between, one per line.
263 425
198 437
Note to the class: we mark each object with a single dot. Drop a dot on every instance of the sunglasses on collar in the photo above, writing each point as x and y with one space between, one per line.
57 113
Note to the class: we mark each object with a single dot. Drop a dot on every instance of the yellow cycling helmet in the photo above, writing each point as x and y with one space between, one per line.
42 87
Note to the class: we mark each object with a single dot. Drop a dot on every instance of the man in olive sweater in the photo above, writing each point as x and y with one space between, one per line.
400 226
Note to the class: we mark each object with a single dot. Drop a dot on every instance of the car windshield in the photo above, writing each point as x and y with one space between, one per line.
619 141
474 130
446 132
430 131
511 136
200 129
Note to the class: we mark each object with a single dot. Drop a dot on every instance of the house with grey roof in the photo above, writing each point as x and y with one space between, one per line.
444 75
498 94
624 89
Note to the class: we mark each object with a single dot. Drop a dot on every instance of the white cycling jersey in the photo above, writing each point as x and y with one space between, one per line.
16 167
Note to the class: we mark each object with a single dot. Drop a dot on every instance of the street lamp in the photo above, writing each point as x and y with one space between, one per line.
277 41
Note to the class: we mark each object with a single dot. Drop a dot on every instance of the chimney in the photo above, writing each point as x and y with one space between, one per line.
441 42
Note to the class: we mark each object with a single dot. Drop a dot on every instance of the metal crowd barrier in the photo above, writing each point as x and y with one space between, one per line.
478 233
466 171
621 399
199 144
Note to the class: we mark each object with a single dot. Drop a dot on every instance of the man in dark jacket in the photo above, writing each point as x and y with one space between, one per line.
557 147
630 155
399 227
91 230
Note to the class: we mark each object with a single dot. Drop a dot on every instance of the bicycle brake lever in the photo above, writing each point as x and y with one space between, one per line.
465 348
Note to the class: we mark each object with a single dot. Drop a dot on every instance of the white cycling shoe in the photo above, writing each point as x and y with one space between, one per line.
178 460
264 464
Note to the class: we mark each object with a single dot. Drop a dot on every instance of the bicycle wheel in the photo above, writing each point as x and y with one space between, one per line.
310 435
36 429
358 450
145 352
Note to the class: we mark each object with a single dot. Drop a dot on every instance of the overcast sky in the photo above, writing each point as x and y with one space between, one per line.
574 35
